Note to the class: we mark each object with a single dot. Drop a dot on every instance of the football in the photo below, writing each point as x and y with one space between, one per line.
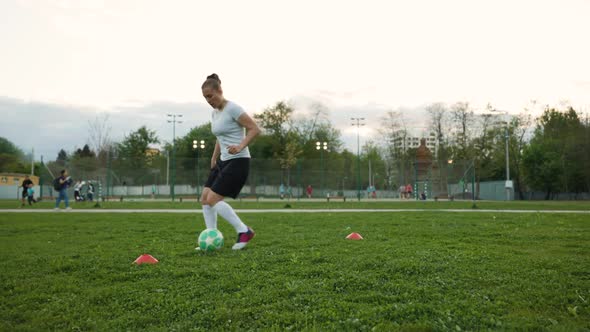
210 240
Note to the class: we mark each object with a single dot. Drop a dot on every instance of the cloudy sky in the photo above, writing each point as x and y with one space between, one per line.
64 61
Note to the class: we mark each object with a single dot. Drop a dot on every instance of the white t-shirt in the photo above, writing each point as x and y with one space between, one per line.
225 126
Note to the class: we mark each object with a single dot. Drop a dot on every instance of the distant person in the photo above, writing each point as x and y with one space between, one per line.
409 191
402 192
234 130
63 182
77 190
25 185
282 191
31 194
371 192
90 192
153 191
309 191
423 196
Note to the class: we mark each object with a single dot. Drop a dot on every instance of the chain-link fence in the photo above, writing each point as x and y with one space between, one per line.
163 177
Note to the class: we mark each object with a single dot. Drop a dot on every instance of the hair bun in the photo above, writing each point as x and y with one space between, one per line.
214 77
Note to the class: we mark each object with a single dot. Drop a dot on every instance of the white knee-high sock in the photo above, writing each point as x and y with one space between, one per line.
210 216
226 211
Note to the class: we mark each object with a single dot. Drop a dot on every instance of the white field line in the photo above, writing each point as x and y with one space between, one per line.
244 211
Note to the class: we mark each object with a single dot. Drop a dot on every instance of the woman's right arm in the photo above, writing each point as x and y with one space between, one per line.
216 153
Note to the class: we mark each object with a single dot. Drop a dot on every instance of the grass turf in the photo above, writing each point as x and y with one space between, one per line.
413 271
147 204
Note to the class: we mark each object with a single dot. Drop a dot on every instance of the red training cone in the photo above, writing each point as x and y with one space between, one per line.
145 259
354 236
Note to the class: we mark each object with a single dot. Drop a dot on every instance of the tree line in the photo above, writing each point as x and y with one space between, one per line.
549 153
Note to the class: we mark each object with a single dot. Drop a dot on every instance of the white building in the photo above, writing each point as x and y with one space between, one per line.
404 141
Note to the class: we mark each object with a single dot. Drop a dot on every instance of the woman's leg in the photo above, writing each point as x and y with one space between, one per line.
208 212
225 210
245 233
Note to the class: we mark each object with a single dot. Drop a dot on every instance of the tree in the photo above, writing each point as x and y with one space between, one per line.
288 158
553 159
11 157
186 155
463 118
184 144
62 156
85 152
394 133
518 128
324 132
276 120
439 125
542 168
306 125
83 161
393 127
99 132
7 147
372 156
485 142
585 148
277 123
132 151
438 122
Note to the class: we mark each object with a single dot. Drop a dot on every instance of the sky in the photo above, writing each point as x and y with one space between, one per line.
64 61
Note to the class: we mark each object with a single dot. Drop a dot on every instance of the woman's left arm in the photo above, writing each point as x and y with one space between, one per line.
252 131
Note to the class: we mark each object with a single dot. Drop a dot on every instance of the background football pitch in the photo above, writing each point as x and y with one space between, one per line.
414 270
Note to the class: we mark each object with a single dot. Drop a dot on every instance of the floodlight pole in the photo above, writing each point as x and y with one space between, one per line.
322 146
473 184
358 124
173 121
109 172
196 146
41 180
507 165
506 137
33 161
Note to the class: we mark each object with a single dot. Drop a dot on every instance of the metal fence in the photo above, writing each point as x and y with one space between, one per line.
184 177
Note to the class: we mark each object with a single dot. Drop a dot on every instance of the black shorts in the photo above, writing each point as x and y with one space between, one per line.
228 177
25 194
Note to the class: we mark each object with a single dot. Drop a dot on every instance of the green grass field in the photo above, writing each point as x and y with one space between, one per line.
513 205
413 271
